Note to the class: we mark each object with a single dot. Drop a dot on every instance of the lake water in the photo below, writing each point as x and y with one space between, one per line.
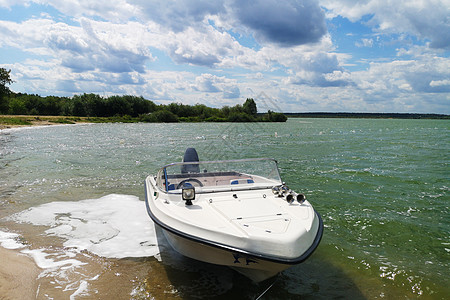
72 197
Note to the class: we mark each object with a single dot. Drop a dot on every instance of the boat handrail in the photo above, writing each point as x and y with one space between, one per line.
264 168
221 189
204 174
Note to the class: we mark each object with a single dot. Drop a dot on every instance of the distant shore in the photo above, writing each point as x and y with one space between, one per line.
346 115
14 121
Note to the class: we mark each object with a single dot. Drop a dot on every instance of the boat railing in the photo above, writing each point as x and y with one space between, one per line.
219 175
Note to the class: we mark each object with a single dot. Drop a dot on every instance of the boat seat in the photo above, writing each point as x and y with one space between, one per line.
173 186
241 181
190 156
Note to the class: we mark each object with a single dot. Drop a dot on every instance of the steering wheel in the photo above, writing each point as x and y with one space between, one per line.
187 180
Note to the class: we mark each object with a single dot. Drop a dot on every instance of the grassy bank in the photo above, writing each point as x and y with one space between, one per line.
7 121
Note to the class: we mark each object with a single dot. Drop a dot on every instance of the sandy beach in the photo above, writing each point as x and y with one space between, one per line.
38 121
34 123
18 274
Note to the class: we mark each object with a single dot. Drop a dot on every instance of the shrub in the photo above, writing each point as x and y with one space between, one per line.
240 117
160 116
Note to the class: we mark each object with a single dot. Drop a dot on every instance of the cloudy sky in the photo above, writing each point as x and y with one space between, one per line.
290 56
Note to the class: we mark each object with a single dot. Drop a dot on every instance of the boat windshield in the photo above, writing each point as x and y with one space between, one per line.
210 176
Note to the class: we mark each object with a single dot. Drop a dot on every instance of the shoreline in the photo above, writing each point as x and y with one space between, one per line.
27 121
23 121
18 275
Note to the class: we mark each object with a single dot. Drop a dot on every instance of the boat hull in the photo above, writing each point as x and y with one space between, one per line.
256 267
252 267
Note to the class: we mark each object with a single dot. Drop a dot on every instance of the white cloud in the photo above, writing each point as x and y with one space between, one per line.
365 43
206 83
213 84
206 47
9 3
406 82
313 64
426 19
177 15
26 36
106 47
439 83
112 10
94 45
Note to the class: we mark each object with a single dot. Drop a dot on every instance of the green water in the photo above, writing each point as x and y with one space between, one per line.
381 186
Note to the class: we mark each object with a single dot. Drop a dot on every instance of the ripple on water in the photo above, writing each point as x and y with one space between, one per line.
380 185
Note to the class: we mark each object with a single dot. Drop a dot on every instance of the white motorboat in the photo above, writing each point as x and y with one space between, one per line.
236 213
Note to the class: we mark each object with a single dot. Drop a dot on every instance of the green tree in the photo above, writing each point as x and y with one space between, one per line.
250 107
96 105
78 106
118 105
225 111
236 109
240 117
5 80
32 103
140 105
274 117
17 107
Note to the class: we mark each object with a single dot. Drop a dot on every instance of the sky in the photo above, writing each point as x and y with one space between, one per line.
289 56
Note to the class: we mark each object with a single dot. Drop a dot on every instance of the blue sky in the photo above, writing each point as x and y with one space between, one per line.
290 56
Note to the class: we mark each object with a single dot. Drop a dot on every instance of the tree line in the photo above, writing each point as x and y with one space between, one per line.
126 106
368 115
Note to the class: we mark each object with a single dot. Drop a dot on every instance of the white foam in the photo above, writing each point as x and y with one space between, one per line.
40 257
114 226
82 289
8 240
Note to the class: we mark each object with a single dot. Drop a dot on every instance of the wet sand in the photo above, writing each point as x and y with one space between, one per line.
18 274
41 121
